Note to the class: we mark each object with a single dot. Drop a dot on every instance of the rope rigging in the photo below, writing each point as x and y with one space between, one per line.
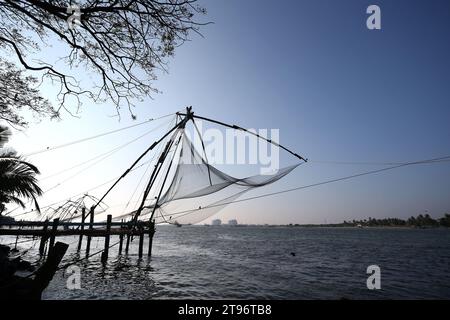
47 149
107 153
157 151
428 161
101 157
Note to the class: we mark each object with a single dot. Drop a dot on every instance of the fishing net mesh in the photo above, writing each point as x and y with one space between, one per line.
198 190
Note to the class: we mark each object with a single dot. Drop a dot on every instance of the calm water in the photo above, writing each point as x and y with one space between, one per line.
201 262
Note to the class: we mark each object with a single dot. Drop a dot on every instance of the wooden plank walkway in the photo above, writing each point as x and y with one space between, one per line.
48 231
71 232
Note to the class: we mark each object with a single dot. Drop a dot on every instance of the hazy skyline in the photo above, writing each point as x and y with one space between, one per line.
335 90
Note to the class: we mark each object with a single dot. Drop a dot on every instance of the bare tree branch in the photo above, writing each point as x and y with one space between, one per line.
123 42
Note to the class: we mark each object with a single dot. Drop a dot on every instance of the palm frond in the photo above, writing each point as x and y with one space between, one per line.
17 179
18 160
36 205
11 199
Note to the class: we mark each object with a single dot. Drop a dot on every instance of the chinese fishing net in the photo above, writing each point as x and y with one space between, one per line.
198 190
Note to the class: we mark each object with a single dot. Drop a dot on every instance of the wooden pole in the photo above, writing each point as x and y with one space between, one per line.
120 240
53 235
107 238
120 243
150 244
127 246
83 218
141 242
91 221
151 232
43 239
17 239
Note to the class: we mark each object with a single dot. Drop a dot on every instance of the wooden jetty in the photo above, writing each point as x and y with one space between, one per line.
48 232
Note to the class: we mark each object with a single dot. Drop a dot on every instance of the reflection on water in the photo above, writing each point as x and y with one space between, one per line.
256 263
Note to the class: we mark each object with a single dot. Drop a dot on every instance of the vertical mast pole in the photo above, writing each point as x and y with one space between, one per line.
189 116
180 126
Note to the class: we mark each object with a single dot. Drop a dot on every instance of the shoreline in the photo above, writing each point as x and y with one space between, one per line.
316 226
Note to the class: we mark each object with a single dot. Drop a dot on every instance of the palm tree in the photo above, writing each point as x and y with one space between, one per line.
17 177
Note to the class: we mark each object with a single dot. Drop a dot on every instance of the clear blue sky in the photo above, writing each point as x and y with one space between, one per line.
336 90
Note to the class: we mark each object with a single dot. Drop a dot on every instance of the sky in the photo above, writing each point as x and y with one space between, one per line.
337 92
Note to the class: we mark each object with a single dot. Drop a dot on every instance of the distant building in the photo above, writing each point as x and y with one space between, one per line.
233 222
216 222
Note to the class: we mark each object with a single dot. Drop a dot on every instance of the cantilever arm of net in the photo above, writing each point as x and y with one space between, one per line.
250 132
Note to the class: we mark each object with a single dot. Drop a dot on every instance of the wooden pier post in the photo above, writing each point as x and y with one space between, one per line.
53 235
107 237
17 239
127 245
120 244
83 218
141 242
150 244
151 232
121 239
43 238
91 221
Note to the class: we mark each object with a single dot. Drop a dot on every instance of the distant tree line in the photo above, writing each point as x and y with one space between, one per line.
419 221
